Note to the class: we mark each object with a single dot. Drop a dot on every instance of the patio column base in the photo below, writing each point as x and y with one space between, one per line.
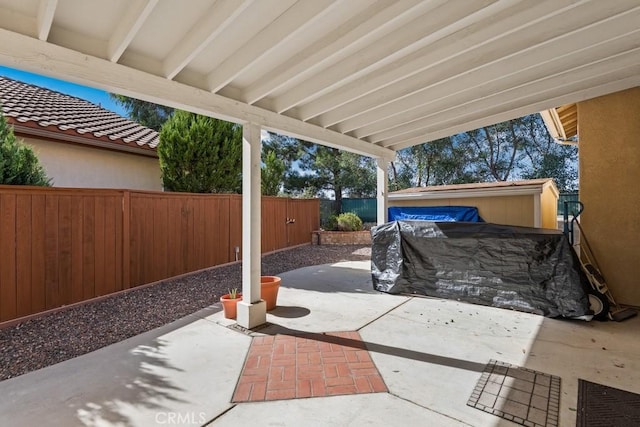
251 315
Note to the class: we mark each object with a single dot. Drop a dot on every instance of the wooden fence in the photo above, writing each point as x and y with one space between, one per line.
61 246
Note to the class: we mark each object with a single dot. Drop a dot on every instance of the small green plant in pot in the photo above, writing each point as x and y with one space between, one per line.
229 303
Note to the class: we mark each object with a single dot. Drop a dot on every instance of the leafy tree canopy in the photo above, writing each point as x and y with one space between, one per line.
146 113
516 149
321 168
200 154
18 163
438 162
272 173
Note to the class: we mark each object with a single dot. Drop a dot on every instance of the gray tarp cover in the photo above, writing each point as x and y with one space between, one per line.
527 269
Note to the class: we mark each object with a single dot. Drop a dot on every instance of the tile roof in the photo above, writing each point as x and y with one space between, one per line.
36 110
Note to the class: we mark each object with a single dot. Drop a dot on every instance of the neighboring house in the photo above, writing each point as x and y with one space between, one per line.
81 144
530 203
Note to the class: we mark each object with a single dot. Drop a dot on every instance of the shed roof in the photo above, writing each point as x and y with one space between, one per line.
481 189
45 113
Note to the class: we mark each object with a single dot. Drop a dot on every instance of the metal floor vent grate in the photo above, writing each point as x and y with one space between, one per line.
520 395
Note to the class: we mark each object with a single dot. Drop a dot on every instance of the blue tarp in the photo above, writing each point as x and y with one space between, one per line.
435 213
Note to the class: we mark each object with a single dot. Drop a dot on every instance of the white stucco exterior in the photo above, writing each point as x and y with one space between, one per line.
74 165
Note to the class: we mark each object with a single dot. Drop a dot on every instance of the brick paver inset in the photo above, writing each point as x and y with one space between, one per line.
310 365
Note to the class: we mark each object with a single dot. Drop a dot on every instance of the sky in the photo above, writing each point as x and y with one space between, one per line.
96 96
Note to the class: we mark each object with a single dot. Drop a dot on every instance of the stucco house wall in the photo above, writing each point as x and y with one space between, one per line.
95 168
609 132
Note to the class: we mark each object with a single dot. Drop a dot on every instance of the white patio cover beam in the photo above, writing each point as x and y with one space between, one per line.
336 105
621 65
129 25
220 16
46 11
33 55
475 123
252 310
487 74
408 35
357 30
382 169
520 96
288 25
431 65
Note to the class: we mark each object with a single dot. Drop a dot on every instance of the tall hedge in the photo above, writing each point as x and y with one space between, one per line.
18 163
200 154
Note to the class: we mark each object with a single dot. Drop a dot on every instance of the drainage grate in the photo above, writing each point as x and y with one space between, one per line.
600 405
521 395
245 331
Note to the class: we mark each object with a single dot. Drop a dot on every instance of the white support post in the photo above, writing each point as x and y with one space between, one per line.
252 310
382 175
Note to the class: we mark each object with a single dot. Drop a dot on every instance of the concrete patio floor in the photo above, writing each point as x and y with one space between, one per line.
430 354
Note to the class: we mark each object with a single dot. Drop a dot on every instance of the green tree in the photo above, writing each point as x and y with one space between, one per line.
146 113
272 173
311 169
323 168
516 149
548 159
18 163
522 149
498 150
200 154
438 162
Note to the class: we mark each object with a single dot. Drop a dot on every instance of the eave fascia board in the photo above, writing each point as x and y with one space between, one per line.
555 127
553 123
45 134
27 53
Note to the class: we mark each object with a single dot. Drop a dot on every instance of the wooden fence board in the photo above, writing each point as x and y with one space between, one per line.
99 237
8 258
52 299
186 234
76 249
160 242
126 239
198 235
88 247
23 255
64 250
173 234
118 241
235 226
38 253
135 240
110 218
274 227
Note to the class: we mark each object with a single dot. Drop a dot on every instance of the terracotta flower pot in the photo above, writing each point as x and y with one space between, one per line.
269 290
229 305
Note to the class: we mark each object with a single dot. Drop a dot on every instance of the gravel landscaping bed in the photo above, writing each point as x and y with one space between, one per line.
59 336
